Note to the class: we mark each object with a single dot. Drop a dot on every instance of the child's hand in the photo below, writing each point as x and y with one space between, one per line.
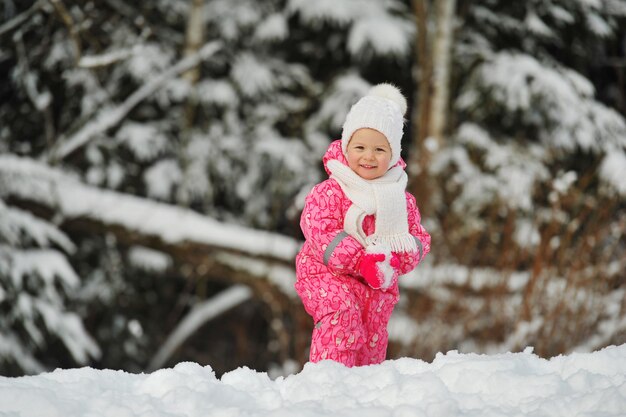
377 270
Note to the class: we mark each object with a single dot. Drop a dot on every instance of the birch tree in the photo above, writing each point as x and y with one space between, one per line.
194 37
433 50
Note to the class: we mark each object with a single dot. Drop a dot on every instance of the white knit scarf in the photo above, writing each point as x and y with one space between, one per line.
383 197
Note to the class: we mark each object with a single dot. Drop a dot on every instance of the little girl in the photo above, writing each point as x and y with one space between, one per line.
362 230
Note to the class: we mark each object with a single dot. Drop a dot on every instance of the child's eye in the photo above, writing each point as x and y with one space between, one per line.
381 150
358 147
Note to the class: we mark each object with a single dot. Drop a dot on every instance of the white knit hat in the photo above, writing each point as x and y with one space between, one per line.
382 109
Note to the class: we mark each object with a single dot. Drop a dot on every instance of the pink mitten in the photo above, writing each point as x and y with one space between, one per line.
375 268
369 270
395 261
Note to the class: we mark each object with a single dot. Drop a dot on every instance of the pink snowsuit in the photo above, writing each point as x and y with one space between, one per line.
350 317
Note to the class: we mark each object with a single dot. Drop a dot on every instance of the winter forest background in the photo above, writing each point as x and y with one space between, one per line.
154 158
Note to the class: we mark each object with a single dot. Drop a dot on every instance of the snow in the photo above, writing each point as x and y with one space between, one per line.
273 28
46 264
145 141
598 25
564 182
281 149
326 10
561 15
252 76
114 208
161 177
218 92
105 59
616 7
453 384
15 222
538 26
380 34
613 170
526 234
147 60
149 260
375 26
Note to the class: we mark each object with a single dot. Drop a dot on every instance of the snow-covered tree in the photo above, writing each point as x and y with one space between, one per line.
528 117
37 284
528 180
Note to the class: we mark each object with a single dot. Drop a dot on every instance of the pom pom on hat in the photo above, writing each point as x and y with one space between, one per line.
382 109
391 92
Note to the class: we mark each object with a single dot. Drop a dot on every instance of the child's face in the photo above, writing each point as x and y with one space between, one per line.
369 153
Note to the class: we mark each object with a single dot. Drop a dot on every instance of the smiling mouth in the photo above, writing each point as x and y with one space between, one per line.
368 166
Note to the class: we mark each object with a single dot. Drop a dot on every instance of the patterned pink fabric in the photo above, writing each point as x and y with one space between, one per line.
350 317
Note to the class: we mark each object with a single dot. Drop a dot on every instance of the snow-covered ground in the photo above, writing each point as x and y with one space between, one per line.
454 384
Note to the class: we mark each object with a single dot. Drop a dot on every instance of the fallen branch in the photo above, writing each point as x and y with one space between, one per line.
200 314
185 234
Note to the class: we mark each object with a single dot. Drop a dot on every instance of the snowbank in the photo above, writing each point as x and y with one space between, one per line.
511 384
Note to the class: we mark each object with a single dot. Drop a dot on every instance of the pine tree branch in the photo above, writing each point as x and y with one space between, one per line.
21 18
112 116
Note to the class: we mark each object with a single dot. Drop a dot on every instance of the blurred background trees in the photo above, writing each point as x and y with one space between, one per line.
516 148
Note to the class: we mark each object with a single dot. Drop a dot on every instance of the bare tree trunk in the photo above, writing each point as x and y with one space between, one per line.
442 51
422 73
433 77
194 38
